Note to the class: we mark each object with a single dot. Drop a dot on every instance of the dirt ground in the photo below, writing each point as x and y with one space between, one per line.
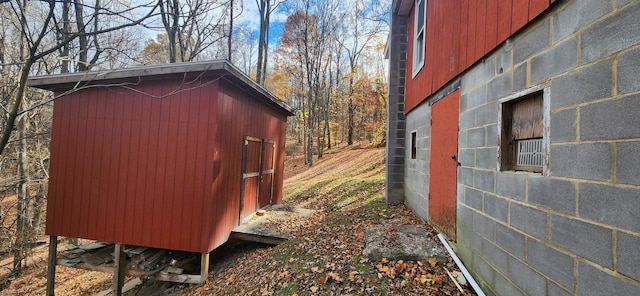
324 257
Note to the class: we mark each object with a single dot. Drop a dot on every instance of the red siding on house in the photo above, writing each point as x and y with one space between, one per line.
460 33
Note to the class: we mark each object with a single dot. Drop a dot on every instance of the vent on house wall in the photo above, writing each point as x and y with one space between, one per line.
530 153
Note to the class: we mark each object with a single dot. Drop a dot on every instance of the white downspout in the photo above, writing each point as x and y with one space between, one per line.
464 270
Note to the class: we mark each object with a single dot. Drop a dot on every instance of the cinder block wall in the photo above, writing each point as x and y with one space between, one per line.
576 229
395 111
416 178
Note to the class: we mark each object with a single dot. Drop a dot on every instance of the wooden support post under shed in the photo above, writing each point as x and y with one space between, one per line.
204 267
119 270
51 265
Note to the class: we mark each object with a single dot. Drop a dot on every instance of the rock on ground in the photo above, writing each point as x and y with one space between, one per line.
401 242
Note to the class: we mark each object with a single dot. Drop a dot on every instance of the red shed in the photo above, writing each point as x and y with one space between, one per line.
167 156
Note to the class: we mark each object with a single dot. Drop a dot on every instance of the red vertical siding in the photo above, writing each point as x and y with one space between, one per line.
239 116
458 34
463 30
536 7
504 19
480 12
519 14
491 26
131 168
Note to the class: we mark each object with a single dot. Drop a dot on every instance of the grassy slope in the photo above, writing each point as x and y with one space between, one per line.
326 257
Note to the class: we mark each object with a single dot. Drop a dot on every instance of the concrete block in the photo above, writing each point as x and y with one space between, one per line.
485 71
462 139
559 195
627 163
465 176
550 262
623 2
484 180
467 119
628 69
496 207
510 240
511 185
463 102
467 82
528 220
500 87
587 240
503 58
487 114
628 257
612 34
465 215
563 126
556 60
465 254
496 256
505 287
617 119
520 77
484 226
477 97
576 15
486 158
532 42
611 205
555 290
591 161
492 135
593 281
585 85
527 279
483 270
467 157
475 137
473 198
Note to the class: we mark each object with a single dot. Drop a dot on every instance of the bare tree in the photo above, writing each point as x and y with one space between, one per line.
193 26
266 8
38 32
360 25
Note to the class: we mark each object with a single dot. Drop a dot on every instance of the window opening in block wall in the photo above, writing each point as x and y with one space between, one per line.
413 145
522 139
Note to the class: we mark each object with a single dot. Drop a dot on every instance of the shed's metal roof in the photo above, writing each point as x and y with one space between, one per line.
218 68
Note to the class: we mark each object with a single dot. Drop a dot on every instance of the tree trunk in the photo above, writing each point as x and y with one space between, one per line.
22 230
170 12
82 39
350 124
230 30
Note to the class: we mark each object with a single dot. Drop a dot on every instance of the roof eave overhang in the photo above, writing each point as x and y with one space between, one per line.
189 70
402 7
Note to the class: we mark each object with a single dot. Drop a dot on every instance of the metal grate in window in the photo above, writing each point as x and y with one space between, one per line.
530 153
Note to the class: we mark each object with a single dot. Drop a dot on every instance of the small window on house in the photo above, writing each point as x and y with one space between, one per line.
420 19
521 146
413 145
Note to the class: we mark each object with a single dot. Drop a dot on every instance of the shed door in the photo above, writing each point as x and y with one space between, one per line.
251 156
444 163
266 175
257 175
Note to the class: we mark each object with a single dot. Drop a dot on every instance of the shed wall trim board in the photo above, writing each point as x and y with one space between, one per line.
568 230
